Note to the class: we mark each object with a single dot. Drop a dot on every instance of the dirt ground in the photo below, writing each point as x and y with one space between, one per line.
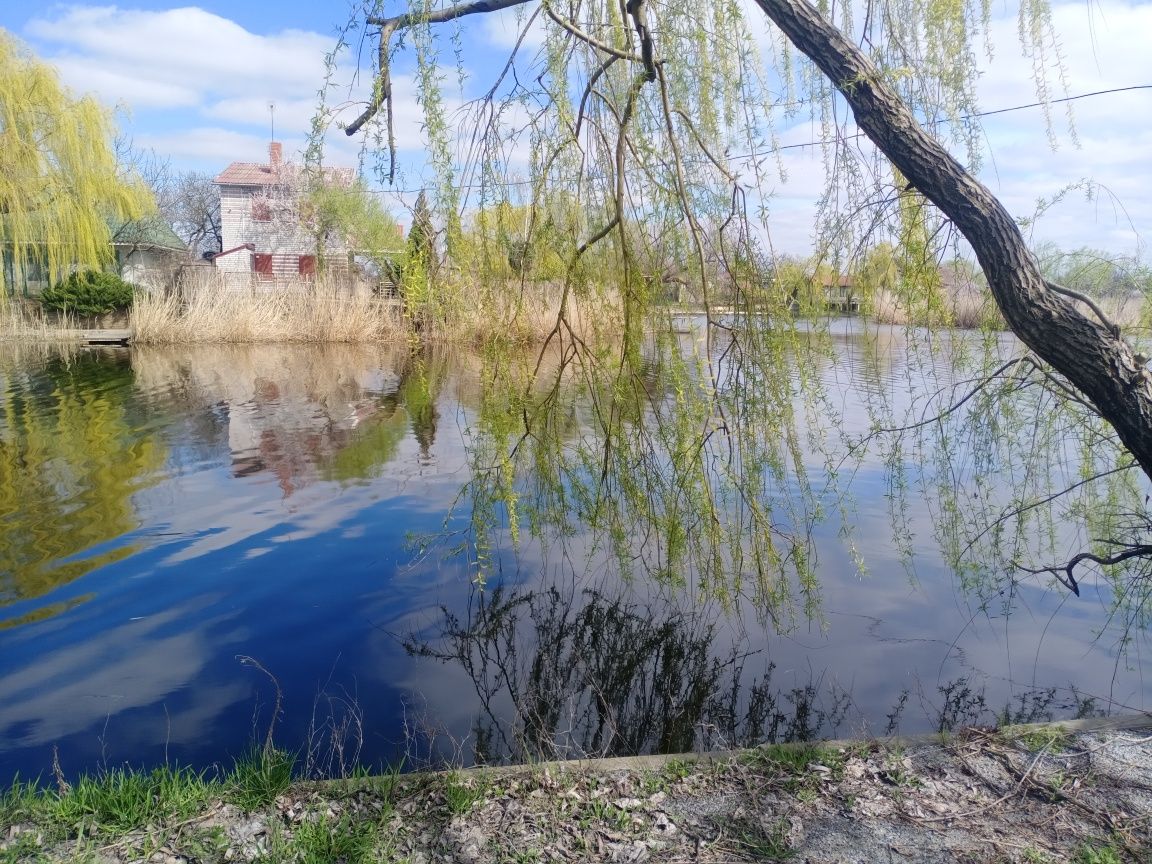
1061 792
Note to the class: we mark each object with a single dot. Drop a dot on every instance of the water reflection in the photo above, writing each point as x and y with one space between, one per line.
301 415
165 510
74 449
566 672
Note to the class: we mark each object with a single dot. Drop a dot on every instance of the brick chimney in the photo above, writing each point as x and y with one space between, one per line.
275 156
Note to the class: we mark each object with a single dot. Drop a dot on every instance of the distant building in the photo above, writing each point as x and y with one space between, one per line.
840 293
263 235
148 252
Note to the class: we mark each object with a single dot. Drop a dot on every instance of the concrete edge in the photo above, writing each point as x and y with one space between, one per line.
659 760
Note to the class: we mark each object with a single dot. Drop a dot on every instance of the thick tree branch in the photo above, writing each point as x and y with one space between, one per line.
1090 355
440 16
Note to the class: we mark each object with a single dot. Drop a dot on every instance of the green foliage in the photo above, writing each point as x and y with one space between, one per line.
91 292
59 179
1094 853
259 776
125 799
353 214
324 841
421 248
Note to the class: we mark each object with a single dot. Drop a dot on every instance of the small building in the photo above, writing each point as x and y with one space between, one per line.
145 251
148 252
840 293
264 237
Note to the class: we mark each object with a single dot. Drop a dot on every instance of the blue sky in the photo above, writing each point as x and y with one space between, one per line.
194 83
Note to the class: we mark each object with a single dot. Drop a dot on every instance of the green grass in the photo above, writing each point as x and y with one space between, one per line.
22 801
326 841
608 814
123 799
1091 853
259 777
791 762
1052 738
763 843
461 794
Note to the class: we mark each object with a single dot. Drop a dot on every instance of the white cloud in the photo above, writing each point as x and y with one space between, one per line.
502 29
187 48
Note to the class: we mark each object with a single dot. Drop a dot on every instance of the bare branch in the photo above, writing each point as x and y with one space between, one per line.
382 90
584 37
1063 572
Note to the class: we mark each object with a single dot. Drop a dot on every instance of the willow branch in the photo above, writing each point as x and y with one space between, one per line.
382 92
1087 301
1063 572
591 40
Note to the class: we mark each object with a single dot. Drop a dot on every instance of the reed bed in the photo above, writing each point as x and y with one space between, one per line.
970 308
27 322
965 307
216 312
529 312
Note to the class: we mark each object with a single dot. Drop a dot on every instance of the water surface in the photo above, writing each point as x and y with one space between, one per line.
198 543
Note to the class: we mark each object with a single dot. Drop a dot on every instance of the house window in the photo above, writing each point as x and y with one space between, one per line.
261 211
306 267
262 264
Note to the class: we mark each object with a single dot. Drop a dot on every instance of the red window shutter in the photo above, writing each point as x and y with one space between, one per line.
306 266
261 212
262 264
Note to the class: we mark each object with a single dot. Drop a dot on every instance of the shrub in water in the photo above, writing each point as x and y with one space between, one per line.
89 293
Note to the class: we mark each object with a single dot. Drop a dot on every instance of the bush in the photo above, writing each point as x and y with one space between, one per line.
89 293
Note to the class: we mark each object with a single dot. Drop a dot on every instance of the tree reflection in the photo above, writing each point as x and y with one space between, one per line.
74 451
588 674
581 673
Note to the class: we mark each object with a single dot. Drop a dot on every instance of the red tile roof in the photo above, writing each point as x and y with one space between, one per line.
247 174
255 174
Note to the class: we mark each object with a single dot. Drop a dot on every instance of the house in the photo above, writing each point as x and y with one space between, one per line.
839 293
263 234
147 250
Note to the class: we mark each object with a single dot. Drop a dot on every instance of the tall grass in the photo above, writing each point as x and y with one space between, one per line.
968 307
216 312
527 312
22 321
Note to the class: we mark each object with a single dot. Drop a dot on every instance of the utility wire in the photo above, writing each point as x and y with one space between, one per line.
816 143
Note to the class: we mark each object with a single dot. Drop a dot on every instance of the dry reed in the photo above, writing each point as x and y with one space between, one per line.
966 307
27 322
970 308
294 313
529 312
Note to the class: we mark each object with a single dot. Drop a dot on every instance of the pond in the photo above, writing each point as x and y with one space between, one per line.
203 546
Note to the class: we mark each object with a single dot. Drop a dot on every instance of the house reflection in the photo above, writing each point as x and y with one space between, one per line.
302 414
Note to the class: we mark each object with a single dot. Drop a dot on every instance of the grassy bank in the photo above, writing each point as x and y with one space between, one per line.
1031 794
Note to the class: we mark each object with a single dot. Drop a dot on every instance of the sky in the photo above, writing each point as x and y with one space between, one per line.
193 85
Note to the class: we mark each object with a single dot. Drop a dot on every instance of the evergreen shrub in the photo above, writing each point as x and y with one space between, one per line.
90 292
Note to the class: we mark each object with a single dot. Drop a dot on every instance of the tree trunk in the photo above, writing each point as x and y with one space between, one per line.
1095 359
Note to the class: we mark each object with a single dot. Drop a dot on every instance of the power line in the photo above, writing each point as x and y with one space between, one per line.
819 142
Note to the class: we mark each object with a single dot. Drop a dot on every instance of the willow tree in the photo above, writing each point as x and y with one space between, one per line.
60 182
633 108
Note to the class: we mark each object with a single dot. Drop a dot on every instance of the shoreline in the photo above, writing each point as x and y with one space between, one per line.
1064 791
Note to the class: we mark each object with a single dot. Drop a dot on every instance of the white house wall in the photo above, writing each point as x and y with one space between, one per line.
281 236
